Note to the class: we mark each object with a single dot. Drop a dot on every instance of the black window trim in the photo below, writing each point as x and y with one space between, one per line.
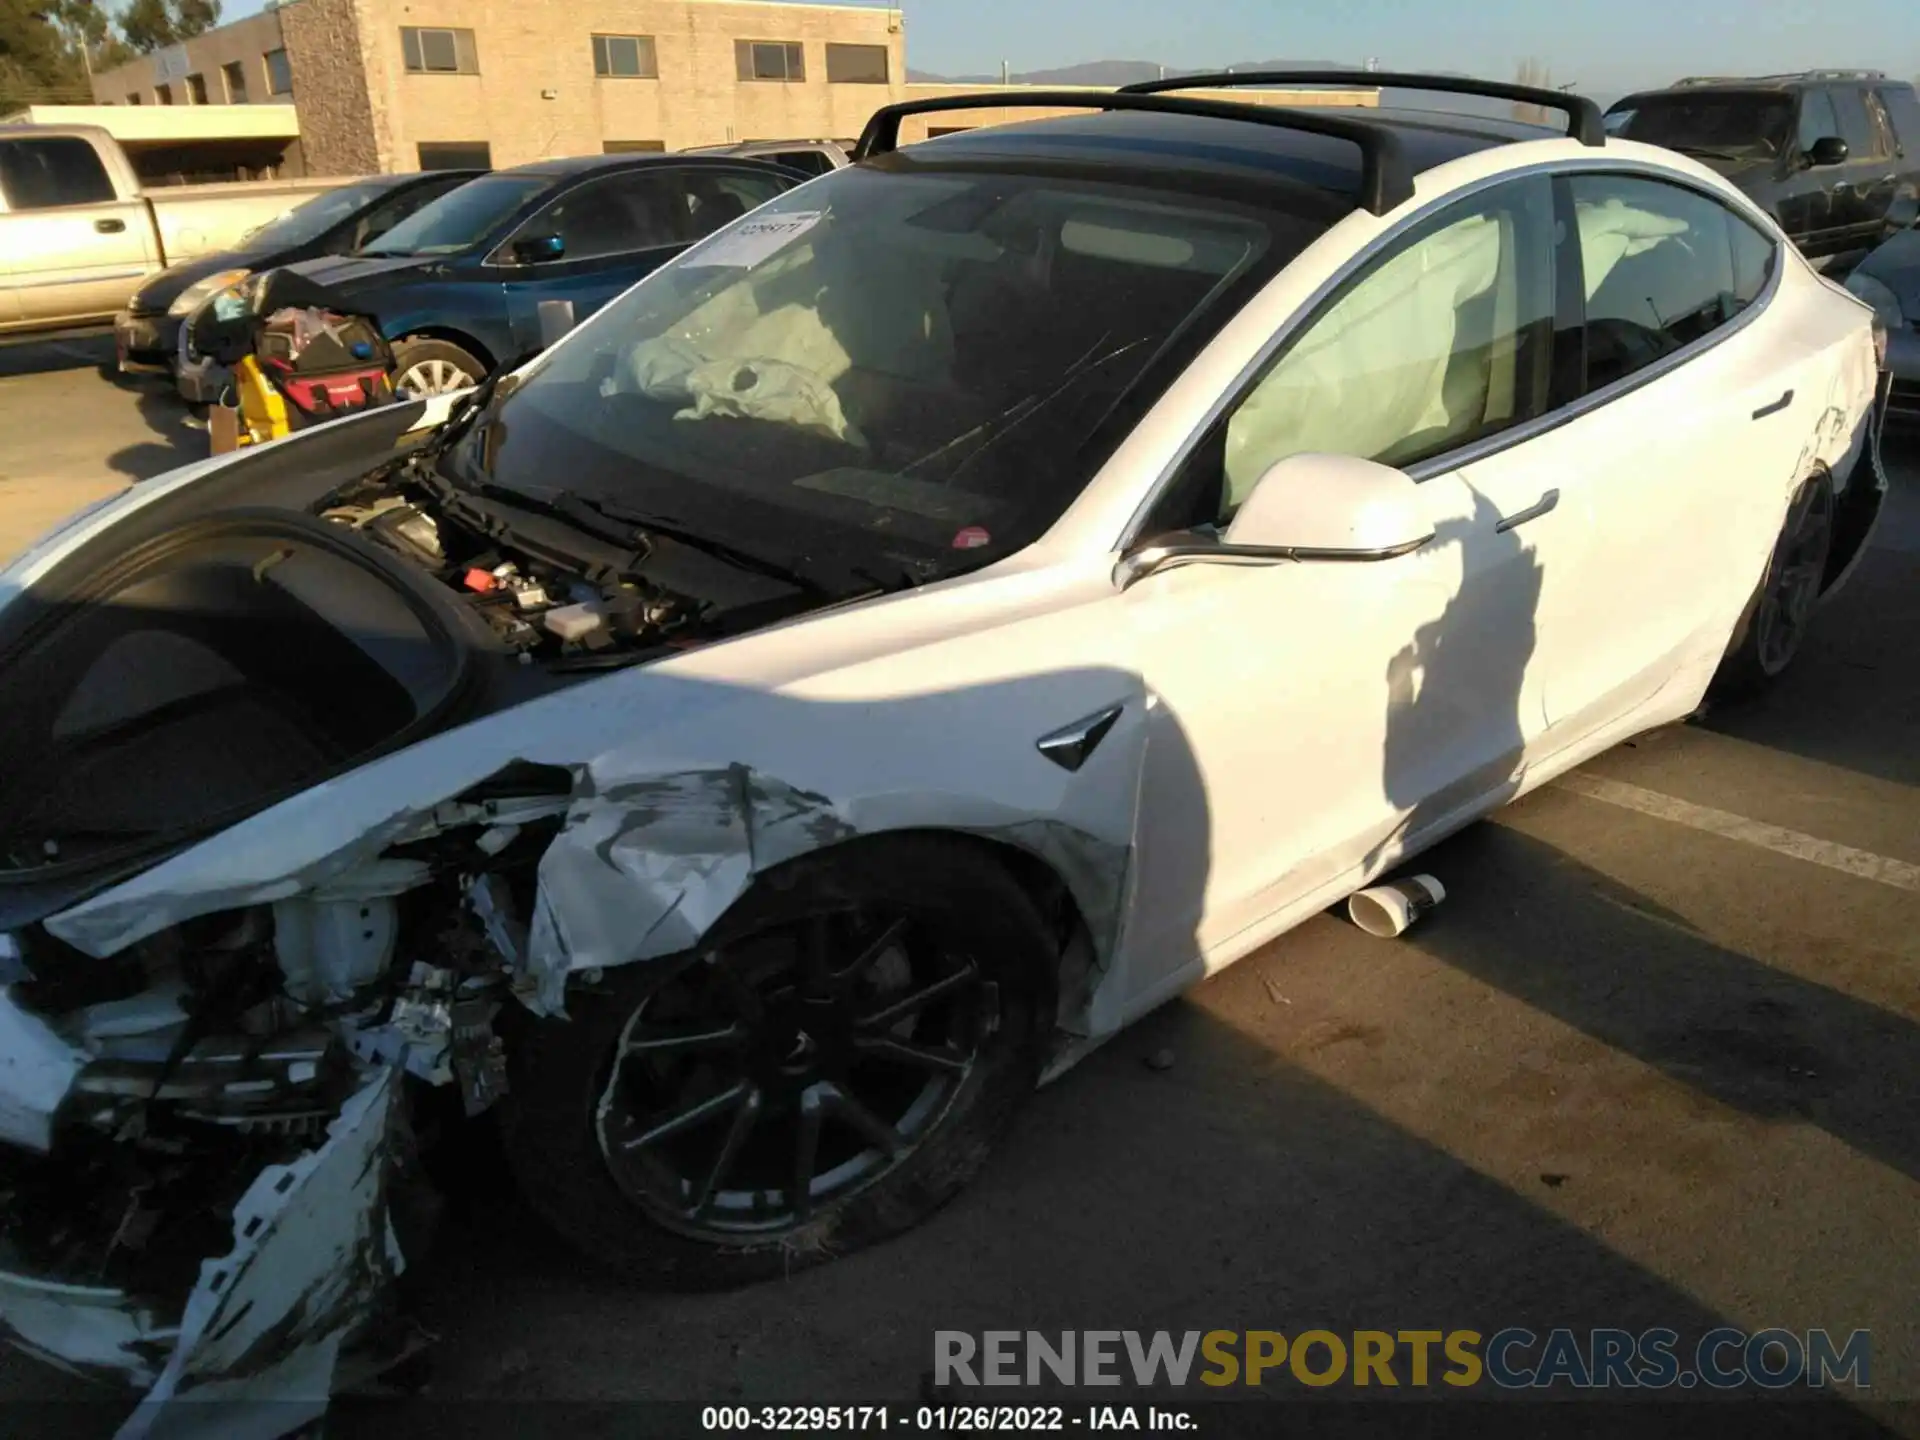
1488 446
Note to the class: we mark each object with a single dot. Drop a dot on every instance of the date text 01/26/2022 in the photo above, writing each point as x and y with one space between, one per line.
819 1419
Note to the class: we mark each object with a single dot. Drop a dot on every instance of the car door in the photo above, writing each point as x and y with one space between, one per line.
1337 711
616 229
1671 465
76 249
1805 208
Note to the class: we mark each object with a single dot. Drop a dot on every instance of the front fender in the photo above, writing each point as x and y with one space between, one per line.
477 321
686 787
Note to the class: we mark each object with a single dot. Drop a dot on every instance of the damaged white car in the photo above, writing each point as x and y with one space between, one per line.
919 630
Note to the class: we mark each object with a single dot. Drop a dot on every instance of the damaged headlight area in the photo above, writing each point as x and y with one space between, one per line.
210 1172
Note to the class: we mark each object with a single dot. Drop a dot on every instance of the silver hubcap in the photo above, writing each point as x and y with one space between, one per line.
432 377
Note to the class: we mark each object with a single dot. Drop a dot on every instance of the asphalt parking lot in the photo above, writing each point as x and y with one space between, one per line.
1655 1062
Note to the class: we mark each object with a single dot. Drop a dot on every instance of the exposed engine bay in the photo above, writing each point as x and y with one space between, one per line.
537 600
244 655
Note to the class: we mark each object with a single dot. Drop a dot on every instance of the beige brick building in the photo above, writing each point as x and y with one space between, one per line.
385 85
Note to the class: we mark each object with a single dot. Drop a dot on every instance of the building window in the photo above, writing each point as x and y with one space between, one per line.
279 73
136 98
196 89
857 64
625 57
163 94
439 52
633 147
234 74
770 59
456 155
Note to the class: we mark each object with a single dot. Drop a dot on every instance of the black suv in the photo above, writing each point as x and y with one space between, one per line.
1833 155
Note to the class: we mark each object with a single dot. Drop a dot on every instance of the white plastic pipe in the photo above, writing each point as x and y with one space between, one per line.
1387 910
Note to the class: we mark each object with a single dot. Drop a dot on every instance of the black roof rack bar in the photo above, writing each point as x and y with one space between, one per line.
1788 75
1386 181
1583 116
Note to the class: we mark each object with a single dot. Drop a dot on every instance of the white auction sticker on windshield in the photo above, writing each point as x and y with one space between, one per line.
752 241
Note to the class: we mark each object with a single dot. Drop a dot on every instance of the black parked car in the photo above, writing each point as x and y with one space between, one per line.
1833 155
338 222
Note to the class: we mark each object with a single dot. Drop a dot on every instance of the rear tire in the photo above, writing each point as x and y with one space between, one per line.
803 1014
423 367
1774 624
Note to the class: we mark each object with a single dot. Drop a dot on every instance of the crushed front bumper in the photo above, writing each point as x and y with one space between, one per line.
249 1347
144 344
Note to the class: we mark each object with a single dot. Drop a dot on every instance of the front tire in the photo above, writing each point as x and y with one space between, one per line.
1774 624
832 1065
423 367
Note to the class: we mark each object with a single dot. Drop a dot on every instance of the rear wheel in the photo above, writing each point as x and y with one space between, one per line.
423 367
832 1066
1775 622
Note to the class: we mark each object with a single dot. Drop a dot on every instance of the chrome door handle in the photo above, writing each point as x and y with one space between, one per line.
1534 511
110 227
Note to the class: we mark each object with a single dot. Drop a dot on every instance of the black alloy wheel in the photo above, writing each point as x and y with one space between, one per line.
789 1069
833 1063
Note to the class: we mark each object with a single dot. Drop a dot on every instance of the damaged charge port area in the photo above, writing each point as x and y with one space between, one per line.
210 1154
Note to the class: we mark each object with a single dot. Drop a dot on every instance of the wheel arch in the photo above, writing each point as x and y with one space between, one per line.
451 335
1860 496
1075 882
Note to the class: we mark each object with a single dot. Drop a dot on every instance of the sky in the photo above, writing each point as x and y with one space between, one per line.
1603 47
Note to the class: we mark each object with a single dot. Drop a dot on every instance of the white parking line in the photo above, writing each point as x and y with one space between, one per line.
1844 858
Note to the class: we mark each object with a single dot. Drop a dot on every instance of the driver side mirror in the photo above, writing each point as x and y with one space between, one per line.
538 249
1827 150
1307 508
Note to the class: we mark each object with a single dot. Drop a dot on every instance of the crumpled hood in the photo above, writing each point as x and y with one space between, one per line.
692 775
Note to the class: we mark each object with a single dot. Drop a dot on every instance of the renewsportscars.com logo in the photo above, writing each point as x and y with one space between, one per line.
1510 1359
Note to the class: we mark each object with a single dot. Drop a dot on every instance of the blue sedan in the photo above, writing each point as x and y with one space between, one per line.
458 285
